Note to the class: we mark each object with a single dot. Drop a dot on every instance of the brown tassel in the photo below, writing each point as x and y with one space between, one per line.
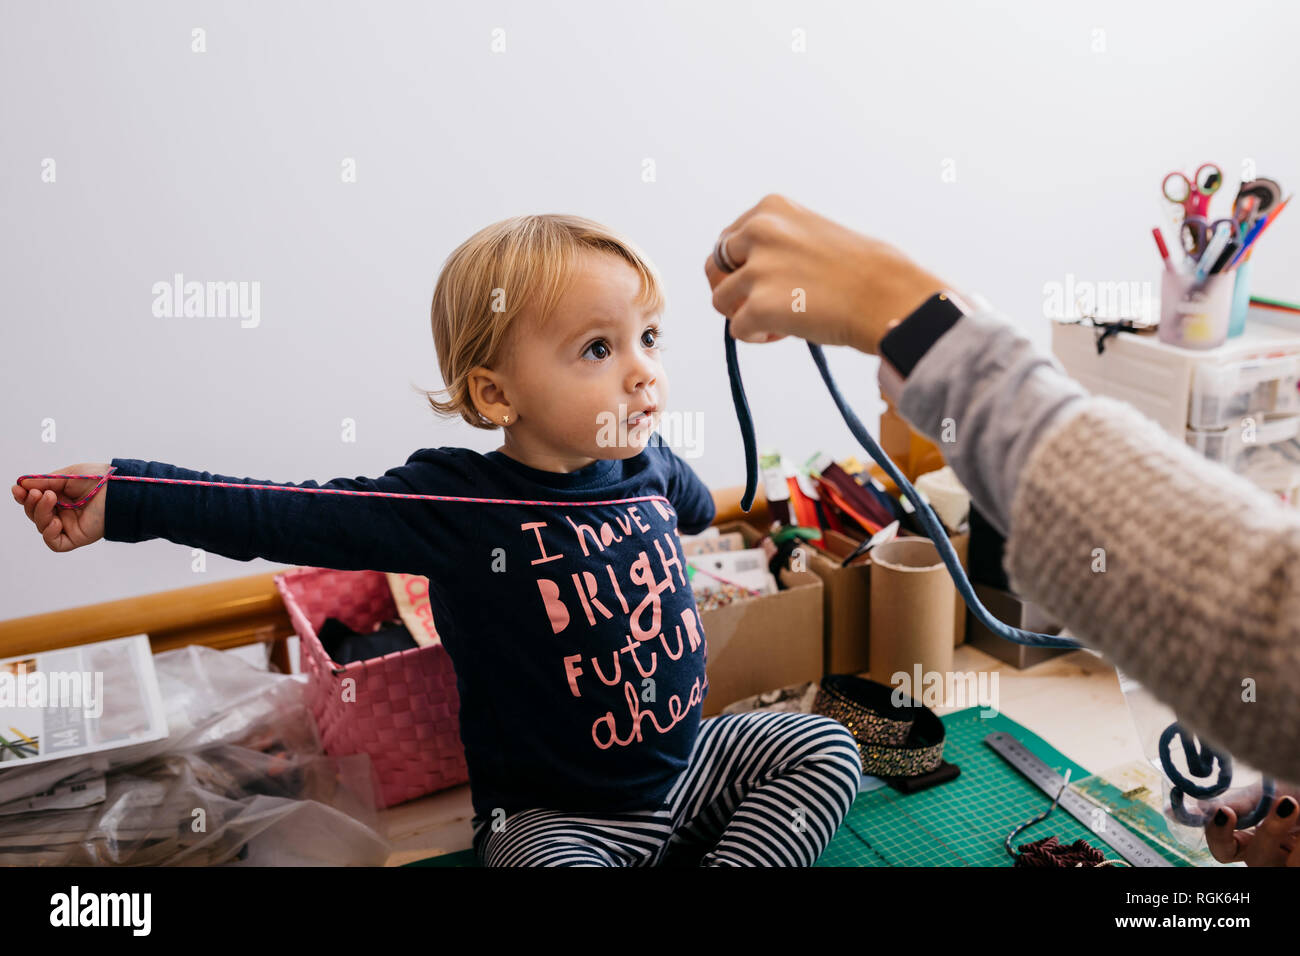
1050 853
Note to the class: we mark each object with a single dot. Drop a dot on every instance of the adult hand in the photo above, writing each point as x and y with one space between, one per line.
854 288
1273 842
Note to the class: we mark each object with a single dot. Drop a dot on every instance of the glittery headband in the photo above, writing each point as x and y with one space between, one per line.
893 741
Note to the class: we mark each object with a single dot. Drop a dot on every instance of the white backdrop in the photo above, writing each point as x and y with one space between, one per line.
1007 146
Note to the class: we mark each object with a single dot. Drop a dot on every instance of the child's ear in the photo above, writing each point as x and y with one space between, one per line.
487 392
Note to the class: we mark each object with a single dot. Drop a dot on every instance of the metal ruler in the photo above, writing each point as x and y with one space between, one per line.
1120 838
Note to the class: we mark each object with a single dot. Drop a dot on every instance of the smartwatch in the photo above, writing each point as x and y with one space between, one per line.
905 343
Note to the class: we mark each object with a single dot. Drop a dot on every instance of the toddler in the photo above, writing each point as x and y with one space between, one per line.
556 576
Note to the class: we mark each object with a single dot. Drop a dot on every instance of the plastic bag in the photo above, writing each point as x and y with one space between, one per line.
241 777
1193 791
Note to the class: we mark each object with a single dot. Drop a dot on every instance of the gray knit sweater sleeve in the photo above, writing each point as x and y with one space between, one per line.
1183 574
1199 598
985 395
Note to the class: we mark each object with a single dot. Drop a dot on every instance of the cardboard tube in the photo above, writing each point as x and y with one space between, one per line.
911 610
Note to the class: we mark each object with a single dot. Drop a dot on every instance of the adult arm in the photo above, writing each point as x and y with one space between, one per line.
1182 573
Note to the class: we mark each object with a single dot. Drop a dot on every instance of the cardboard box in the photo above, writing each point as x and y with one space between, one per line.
895 437
1010 609
763 643
847 602
912 452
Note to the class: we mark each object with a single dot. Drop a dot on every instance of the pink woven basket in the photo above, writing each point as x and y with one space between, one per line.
405 706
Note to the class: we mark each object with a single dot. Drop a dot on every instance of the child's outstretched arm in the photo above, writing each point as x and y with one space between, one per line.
348 532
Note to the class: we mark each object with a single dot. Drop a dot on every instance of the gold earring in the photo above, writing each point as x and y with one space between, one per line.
506 419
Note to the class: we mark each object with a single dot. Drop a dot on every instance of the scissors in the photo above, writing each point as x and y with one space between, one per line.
1245 209
1197 231
1255 198
1193 194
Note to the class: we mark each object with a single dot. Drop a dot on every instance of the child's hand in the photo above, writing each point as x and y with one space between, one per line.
70 527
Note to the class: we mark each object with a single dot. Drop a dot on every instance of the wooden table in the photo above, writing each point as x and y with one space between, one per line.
1072 701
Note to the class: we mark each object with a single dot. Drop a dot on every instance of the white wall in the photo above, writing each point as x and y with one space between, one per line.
225 165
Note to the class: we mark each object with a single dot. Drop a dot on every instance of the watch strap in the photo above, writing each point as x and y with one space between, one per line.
909 340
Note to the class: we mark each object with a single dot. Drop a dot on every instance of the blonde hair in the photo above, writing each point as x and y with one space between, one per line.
532 257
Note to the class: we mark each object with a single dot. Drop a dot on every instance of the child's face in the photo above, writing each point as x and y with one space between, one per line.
570 386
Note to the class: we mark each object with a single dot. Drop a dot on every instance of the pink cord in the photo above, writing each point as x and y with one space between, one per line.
84 498
321 491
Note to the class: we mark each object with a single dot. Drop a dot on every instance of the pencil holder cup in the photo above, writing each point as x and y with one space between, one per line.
1240 299
1195 315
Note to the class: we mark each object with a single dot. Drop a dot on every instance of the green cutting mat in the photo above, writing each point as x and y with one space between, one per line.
964 822
960 823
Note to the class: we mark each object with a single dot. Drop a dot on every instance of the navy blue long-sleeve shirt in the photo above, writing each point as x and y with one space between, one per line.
578 648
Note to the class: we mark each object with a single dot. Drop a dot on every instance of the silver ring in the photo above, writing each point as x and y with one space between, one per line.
720 257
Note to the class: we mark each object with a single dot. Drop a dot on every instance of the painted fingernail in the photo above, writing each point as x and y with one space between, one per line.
1286 807
1220 818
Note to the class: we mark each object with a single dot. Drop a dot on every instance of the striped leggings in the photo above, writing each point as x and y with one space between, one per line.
760 789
